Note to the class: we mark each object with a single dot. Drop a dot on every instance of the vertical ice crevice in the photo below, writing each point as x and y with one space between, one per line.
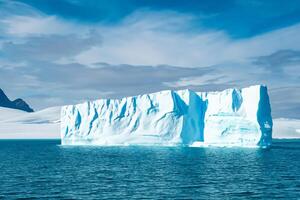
179 106
193 120
78 120
264 118
237 100
95 117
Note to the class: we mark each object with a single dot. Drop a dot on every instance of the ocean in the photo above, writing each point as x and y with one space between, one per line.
36 169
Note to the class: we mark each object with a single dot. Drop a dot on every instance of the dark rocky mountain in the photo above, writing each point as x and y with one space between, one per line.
19 104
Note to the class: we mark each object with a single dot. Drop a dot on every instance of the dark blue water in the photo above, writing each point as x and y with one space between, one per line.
43 169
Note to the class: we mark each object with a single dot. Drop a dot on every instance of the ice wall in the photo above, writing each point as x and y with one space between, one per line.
229 118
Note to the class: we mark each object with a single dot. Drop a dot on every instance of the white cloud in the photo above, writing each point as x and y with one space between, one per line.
265 44
9 8
147 38
12 65
21 20
164 38
199 80
23 26
150 41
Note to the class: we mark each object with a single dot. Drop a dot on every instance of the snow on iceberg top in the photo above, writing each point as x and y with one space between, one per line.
233 117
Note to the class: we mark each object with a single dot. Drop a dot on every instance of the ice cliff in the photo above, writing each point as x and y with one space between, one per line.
232 117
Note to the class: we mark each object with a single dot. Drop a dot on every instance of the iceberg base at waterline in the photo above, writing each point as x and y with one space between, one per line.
233 117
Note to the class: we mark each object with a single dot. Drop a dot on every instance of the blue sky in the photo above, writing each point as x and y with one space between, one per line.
55 52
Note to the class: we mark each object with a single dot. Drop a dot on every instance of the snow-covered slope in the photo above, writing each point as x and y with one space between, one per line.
228 118
20 124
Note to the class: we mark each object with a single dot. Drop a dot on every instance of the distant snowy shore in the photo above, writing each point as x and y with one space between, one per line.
17 124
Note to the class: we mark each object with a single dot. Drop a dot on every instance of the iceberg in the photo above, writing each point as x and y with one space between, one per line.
233 117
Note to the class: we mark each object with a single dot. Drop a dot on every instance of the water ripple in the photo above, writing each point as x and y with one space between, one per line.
43 169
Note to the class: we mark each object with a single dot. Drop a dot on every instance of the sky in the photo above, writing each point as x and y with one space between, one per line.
57 52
